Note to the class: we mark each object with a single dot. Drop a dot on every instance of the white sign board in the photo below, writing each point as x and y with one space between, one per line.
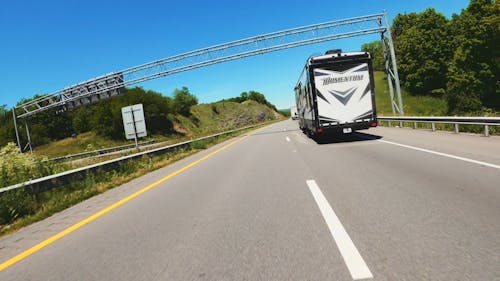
133 121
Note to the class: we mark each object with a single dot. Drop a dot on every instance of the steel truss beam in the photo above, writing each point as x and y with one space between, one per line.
271 42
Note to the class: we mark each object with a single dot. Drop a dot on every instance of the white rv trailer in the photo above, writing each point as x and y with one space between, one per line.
293 112
335 94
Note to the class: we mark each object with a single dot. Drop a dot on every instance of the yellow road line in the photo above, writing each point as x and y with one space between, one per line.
91 218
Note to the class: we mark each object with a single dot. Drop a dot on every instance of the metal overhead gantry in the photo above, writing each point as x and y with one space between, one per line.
112 84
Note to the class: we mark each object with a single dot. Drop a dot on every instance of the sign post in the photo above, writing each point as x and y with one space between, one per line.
133 122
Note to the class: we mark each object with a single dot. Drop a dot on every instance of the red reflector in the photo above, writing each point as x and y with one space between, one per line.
374 124
320 130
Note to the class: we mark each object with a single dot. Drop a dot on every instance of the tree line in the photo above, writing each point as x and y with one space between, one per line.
105 118
252 95
455 59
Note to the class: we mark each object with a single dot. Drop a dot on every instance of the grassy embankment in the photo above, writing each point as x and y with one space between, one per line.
20 207
419 106
412 105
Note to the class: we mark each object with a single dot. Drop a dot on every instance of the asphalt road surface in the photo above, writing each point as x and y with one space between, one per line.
382 204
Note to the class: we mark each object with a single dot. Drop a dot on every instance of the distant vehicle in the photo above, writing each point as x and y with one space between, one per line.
293 112
335 94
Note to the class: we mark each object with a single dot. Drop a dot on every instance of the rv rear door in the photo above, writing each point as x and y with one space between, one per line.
343 95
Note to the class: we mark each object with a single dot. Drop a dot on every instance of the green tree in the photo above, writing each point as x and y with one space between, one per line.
156 110
376 51
7 133
423 50
473 77
252 95
258 97
102 121
81 119
183 100
106 120
243 97
3 110
47 125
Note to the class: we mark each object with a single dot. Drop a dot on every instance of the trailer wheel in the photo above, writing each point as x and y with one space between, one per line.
310 134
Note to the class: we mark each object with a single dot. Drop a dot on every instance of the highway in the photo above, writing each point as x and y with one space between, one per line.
382 204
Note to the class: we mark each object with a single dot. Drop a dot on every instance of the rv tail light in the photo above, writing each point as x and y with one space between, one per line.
320 130
374 124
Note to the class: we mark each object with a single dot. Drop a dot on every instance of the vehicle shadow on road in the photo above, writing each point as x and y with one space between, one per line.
354 137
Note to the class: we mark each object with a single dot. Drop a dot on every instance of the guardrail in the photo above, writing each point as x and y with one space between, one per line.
48 182
99 151
455 120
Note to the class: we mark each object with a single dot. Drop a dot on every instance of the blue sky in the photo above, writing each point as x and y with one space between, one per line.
49 45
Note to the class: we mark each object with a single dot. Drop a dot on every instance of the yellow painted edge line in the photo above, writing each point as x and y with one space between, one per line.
93 217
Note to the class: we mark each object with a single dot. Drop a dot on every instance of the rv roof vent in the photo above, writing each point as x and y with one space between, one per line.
331 52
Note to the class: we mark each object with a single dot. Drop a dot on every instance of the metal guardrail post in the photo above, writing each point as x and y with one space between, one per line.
456 127
486 131
29 135
433 125
400 124
414 125
17 130
394 66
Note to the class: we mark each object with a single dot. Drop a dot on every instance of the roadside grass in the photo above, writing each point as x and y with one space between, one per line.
419 106
21 207
412 105
83 142
86 142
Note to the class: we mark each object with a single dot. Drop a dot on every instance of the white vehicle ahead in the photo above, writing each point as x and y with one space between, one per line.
335 94
293 113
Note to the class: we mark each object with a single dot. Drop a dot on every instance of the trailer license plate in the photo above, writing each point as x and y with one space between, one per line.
347 130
